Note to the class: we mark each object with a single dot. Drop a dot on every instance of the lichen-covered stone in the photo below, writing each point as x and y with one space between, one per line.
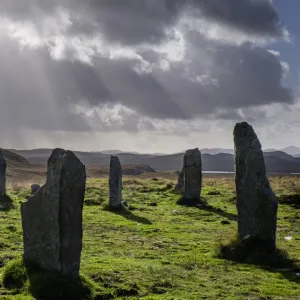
2 175
52 218
256 203
115 183
192 170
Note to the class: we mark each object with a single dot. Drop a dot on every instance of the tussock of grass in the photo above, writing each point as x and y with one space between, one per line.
46 285
15 275
254 251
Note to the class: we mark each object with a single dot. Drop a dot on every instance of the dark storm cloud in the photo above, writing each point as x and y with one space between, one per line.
133 22
36 89
214 80
252 16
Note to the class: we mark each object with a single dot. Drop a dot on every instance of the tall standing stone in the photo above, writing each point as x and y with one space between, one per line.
52 218
192 170
115 183
256 203
2 175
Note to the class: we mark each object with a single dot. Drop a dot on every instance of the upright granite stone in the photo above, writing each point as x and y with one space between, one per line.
52 218
192 171
256 203
115 183
179 188
2 175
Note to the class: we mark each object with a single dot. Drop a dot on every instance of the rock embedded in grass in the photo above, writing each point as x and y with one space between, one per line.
256 203
34 188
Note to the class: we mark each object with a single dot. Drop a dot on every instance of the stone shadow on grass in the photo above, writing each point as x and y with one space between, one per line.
203 205
127 214
292 200
222 213
257 252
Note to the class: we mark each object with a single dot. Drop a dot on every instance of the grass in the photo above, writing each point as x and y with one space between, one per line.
161 250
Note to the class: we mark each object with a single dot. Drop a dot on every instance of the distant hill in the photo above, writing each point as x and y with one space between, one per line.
112 152
95 171
216 151
13 158
276 161
292 150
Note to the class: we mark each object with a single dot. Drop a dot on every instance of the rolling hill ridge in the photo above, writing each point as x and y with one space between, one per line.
276 161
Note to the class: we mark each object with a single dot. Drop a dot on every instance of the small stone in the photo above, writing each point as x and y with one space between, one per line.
34 188
155 230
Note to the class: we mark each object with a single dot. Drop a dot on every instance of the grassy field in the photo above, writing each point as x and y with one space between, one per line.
159 250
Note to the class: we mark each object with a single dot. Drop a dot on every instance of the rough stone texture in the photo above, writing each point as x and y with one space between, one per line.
34 188
115 182
192 168
256 203
179 188
2 175
52 218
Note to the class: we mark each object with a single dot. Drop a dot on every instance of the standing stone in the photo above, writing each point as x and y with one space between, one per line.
2 175
256 203
192 171
115 183
52 218
179 188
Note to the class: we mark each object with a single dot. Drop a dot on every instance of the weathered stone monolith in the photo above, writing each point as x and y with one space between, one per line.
52 218
179 188
192 173
256 203
2 175
115 183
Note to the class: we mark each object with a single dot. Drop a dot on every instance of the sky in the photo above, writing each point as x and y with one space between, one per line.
148 75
